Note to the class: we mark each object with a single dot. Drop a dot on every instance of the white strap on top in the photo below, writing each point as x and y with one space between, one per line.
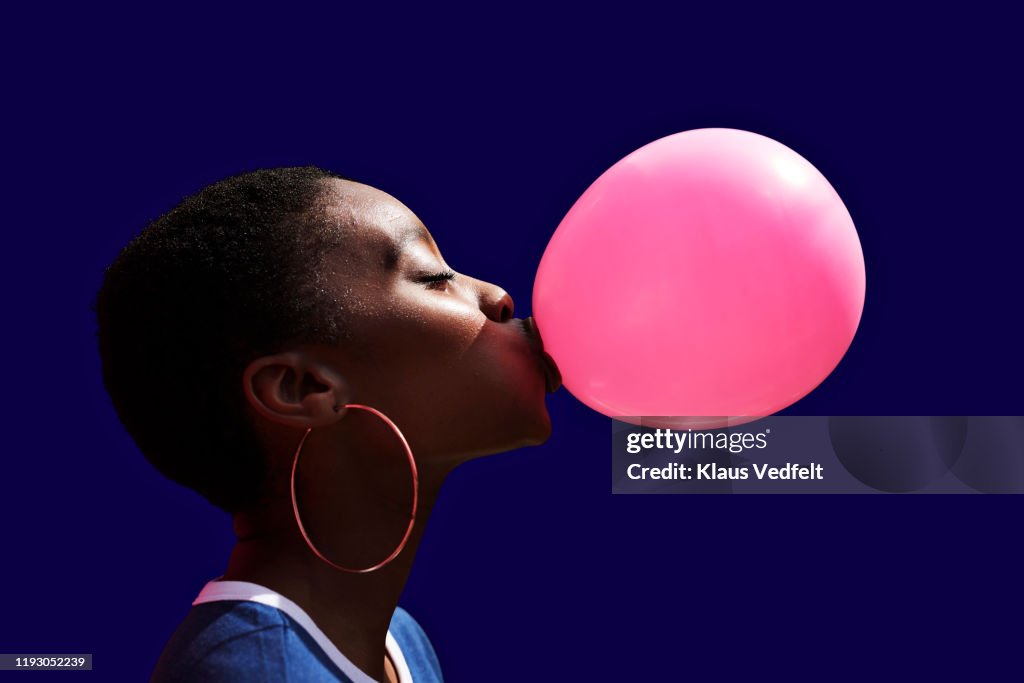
215 591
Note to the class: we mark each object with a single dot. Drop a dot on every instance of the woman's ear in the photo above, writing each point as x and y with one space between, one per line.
294 389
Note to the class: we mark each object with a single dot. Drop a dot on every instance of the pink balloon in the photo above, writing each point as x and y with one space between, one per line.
712 274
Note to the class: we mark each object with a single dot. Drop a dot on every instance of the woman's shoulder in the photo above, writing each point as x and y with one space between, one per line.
240 640
233 640
415 647
403 623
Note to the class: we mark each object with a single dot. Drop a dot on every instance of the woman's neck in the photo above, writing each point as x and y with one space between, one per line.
353 610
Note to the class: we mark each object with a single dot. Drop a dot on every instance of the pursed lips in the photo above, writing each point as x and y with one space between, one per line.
552 376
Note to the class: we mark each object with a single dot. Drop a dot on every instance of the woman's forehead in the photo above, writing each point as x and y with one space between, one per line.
373 223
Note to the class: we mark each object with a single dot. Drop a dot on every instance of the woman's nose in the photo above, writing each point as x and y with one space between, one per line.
495 302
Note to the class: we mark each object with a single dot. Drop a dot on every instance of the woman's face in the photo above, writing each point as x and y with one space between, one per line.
436 350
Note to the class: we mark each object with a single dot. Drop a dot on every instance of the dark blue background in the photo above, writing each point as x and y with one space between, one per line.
489 123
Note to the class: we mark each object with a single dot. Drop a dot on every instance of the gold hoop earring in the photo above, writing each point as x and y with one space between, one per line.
415 496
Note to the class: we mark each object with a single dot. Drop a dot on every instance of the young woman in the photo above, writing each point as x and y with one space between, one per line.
292 345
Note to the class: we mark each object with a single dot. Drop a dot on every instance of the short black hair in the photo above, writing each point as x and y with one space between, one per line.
231 273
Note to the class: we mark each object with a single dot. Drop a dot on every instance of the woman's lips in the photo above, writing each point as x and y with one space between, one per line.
551 373
552 377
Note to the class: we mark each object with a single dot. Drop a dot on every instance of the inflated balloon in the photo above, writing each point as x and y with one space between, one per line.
712 273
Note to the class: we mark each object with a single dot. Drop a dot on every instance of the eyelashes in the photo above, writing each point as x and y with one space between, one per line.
446 275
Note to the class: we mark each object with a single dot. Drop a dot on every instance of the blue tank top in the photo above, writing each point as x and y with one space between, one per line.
238 631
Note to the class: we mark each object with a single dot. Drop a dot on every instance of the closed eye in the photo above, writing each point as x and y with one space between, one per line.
444 276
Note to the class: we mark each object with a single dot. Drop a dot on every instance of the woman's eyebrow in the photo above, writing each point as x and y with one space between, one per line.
405 237
411 234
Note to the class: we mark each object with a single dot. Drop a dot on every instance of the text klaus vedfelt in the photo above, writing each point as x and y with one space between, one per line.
736 442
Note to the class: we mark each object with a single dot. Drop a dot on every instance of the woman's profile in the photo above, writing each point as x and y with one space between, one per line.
291 345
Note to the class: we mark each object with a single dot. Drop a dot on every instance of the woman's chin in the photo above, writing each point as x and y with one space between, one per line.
533 431
539 430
